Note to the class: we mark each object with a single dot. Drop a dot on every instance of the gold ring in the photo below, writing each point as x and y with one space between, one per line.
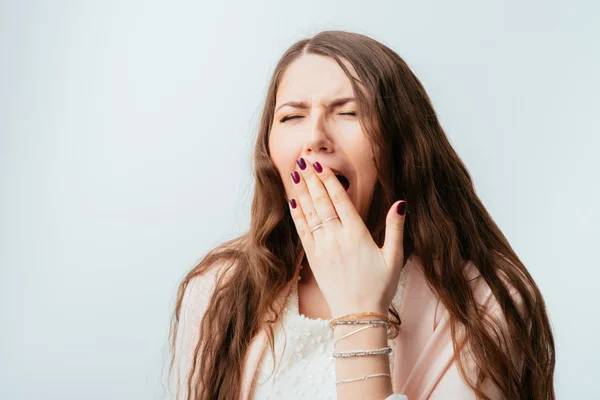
330 218
321 224
316 227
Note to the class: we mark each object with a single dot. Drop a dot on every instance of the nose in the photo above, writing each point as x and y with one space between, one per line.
318 136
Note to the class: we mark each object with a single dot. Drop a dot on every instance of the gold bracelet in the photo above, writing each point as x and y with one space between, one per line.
358 315
354 332
393 327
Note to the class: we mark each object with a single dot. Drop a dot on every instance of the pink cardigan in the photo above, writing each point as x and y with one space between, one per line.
424 365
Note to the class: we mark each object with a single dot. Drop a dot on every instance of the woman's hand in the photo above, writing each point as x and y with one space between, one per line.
353 273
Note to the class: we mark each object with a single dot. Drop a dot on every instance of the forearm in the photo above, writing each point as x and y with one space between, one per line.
379 387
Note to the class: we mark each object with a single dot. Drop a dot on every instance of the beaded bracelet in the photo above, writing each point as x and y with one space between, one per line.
377 322
362 353
393 329
355 316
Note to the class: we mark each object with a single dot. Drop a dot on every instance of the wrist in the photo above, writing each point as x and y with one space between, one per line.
342 311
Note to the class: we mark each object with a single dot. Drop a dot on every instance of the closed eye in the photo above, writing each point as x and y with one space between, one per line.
289 117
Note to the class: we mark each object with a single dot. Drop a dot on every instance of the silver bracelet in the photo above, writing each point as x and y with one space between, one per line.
362 353
377 322
364 377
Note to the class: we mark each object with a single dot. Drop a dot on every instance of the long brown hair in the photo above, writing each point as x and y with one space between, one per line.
446 224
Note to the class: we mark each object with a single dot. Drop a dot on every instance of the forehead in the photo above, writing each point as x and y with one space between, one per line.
314 78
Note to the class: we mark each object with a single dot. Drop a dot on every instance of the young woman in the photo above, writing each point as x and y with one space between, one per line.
371 266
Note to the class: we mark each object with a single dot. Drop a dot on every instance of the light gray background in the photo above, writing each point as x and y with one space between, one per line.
126 139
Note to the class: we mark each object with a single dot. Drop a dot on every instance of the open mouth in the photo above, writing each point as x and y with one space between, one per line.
344 181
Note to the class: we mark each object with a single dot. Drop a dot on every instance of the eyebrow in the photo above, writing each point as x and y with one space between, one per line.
334 103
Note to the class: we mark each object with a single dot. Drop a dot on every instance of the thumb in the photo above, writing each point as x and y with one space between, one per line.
393 245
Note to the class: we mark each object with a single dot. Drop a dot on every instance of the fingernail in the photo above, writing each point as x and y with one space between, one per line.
401 208
295 176
293 203
301 163
318 167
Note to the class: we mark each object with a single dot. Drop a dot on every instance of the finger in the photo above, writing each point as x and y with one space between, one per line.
306 204
393 245
306 237
340 200
319 197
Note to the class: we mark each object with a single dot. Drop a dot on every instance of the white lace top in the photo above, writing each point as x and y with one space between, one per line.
305 365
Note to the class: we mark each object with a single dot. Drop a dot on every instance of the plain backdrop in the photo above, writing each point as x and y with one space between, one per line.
127 133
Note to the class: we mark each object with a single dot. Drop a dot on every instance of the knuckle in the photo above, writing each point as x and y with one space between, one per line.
298 220
328 176
308 175
398 228
321 199
310 214
339 198
301 189
303 233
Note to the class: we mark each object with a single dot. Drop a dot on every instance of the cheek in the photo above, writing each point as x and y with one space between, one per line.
363 155
365 166
283 155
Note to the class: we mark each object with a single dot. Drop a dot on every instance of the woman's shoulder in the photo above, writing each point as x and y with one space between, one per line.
202 285
488 301
420 300
426 347
194 303
198 288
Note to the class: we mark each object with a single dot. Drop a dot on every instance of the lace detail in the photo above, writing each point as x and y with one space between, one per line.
305 367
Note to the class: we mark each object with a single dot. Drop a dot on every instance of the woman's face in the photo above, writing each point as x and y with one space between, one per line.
318 129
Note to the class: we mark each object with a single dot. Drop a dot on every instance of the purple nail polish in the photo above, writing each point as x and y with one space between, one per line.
301 163
318 167
401 208
296 177
293 203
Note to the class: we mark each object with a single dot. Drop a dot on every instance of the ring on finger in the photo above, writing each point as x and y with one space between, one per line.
321 224
330 218
316 227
